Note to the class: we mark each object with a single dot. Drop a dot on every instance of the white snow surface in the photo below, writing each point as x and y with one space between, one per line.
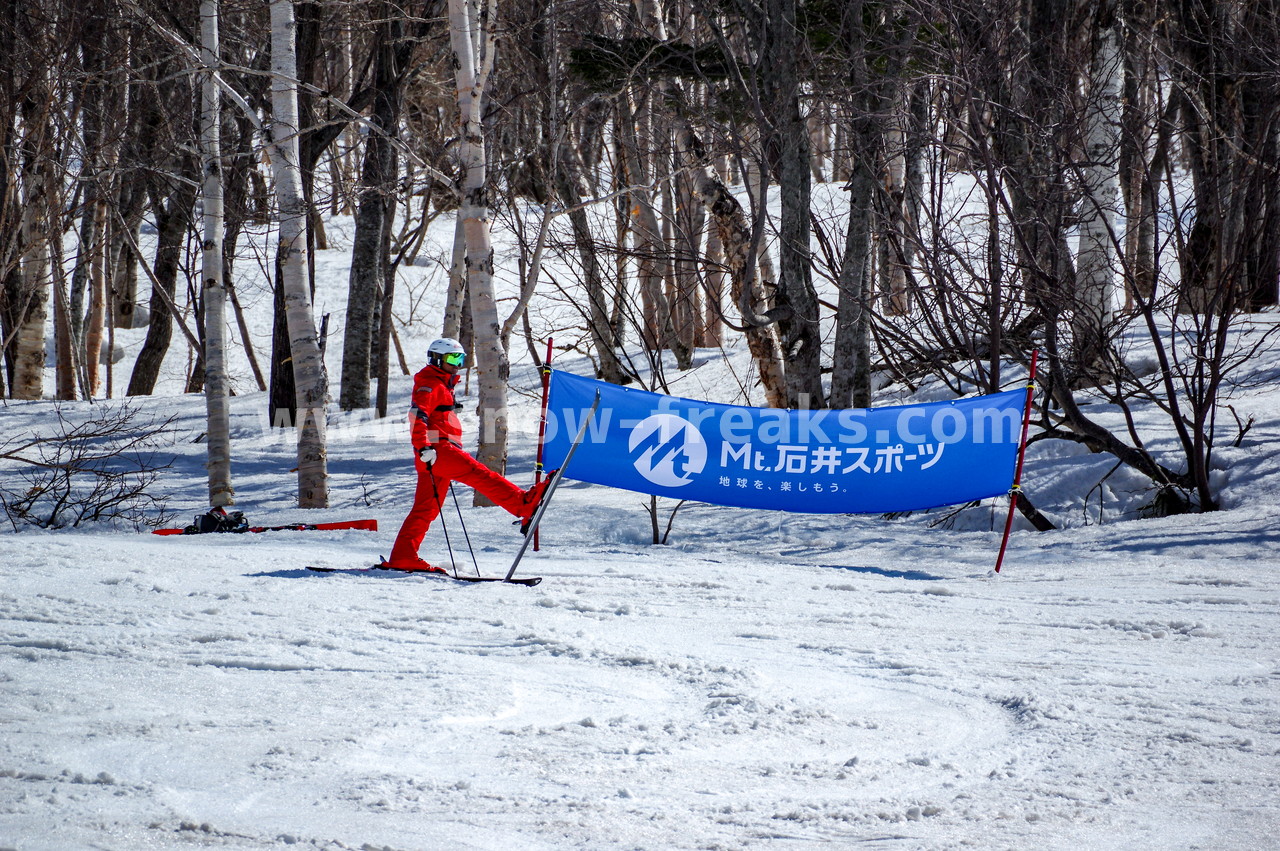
767 680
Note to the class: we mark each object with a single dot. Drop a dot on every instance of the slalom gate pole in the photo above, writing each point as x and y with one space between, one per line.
542 423
1016 491
463 524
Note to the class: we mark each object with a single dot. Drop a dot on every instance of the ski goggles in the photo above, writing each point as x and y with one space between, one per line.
455 358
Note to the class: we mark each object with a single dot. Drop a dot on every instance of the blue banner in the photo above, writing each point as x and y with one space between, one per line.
856 461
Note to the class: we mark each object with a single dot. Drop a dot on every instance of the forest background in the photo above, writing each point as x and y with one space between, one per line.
1083 178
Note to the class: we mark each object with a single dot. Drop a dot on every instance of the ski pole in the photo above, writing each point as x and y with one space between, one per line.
465 535
551 487
435 491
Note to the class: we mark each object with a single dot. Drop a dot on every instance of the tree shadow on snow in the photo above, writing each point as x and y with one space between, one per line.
914 575
1202 542
292 573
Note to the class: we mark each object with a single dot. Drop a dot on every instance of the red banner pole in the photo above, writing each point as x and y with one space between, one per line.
1016 490
542 423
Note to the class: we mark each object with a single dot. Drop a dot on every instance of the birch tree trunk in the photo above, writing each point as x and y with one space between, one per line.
109 101
646 129
1148 118
97 295
1097 256
901 158
690 221
67 353
654 260
29 195
88 102
217 401
64 343
457 294
127 200
310 384
471 39
29 351
710 333
756 179
29 357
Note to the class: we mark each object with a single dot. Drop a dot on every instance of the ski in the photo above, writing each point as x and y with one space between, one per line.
366 525
528 582
551 489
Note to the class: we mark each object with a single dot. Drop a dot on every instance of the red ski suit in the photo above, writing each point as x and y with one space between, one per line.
432 422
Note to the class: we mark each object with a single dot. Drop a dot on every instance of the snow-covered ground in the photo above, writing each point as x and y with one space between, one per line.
767 680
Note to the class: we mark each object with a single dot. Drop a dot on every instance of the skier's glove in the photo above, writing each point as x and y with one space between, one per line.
427 455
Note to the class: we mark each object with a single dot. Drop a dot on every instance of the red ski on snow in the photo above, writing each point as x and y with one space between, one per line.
219 520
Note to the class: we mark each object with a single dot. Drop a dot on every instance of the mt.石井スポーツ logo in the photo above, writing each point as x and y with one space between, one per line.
667 450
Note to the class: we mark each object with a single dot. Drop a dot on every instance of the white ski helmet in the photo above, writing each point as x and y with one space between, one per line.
440 350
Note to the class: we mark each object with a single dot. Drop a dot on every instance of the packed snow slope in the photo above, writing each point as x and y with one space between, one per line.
767 680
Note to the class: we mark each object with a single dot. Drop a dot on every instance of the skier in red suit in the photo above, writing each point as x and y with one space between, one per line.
440 459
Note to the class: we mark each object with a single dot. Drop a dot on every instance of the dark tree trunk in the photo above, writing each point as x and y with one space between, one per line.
173 218
124 263
851 359
597 309
786 138
382 344
369 260
282 398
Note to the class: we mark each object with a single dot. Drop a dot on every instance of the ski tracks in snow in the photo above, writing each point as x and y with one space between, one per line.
896 694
